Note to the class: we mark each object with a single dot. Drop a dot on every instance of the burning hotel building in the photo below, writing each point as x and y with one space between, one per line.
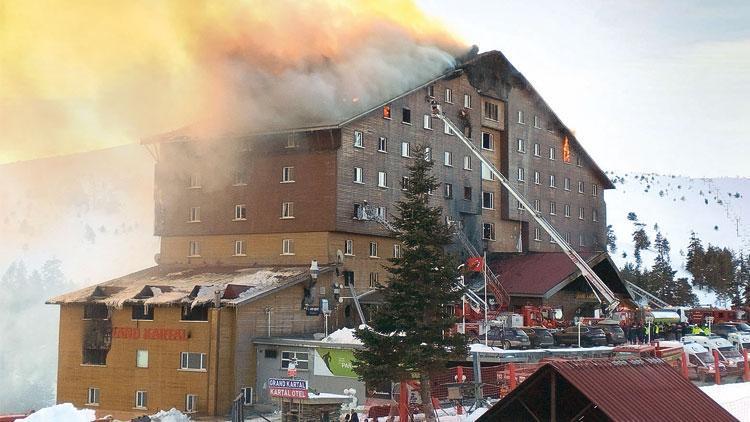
284 228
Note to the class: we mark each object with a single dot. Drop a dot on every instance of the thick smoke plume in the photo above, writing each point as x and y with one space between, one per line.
84 75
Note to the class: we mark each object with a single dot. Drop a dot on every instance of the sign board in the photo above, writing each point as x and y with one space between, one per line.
312 310
133 333
287 388
331 362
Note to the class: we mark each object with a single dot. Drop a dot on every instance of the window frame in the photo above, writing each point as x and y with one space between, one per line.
552 208
287 174
287 246
194 249
521 174
406 115
295 355
552 154
143 402
194 181
537 234
427 122
240 178
185 361
194 215
491 111
96 396
287 210
348 247
373 280
191 403
491 196
467 101
244 391
138 361
537 149
581 187
448 95
520 117
359 176
448 190
359 139
552 181
567 210
397 250
491 141
240 212
492 233
382 179
448 158
373 249
240 248
521 145
405 148
566 184
467 163
383 144
537 178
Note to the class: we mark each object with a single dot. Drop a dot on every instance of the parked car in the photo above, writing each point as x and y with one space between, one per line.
741 326
615 334
539 336
728 353
723 329
590 336
508 338
701 363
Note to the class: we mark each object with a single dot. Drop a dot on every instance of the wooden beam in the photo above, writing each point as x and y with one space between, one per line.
579 414
528 410
552 397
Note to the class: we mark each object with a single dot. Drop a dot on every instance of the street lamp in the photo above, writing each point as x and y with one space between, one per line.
709 320
649 321
314 270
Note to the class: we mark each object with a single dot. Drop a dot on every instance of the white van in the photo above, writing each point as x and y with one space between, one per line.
728 353
701 362
740 340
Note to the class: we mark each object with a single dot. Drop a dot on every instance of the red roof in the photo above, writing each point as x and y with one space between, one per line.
623 390
536 273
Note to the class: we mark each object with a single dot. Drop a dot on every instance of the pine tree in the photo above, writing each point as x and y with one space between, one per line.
611 239
640 242
409 335
695 260
743 274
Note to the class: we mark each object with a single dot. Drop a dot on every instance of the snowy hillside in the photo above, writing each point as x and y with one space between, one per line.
718 210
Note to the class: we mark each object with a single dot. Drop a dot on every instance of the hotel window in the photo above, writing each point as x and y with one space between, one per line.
195 215
240 248
194 249
348 247
552 208
405 150
448 159
427 122
567 210
373 249
195 181
580 187
446 129
520 116
581 213
536 122
302 359
247 395
580 240
521 177
537 234
431 91
240 178
428 154
287 210
488 200
467 193
193 361
595 190
552 182
359 139
406 116
537 178
467 162
373 280
359 175
467 101
566 236
448 96
93 396
287 175
359 213
536 205
448 190
537 150
382 144
404 183
387 112
488 232
140 399
491 111
521 145
595 215
487 142
397 250
240 212
567 183
382 179
287 247
551 153
486 173
191 403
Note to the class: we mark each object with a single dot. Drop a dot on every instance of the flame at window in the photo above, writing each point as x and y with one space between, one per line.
566 150
387 112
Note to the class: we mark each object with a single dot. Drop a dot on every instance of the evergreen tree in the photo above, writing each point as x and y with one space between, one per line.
695 257
719 270
640 242
611 239
743 274
409 335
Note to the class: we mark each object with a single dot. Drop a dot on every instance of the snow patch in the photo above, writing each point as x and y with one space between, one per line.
735 398
64 412
172 415
342 336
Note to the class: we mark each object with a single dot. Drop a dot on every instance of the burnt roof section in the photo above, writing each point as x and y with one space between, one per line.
492 74
602 390
545 273
170 285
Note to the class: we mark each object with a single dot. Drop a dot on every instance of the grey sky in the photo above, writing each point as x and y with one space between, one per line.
647 86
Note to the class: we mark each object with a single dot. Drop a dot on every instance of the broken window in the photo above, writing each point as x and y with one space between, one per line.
431 91
467 193
194 313
358 139
95 311
95 356
387 111
143 312
191 403
97 340
348 278
487 141
406 115
489 231
448 190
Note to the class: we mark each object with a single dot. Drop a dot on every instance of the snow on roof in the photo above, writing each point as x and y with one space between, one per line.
735 398
314 396
481 348
342 336
162 285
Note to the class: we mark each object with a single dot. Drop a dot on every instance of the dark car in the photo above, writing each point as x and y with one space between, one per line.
590 336
723 330
741 326
508 338
615 334
539 336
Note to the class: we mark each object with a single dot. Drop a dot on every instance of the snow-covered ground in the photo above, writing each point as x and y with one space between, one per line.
717 210
735 398
64 412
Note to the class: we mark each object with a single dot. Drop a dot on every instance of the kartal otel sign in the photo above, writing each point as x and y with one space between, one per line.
149 333
287 388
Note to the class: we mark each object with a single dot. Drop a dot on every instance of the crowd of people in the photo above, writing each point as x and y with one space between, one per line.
637 333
